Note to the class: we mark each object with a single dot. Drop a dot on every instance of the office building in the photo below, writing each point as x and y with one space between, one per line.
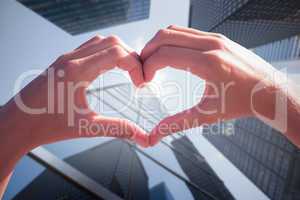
113 164
198 170
271 28
263 154
283 50
249 22
80 16
160 191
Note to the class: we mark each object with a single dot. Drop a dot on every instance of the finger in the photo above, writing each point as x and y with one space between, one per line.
94 65
98 45
90 41
194 31
118 128
194 117
190 60
130 63
179 39
187 30
84 48
136 69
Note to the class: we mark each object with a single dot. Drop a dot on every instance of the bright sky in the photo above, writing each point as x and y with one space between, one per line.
30 42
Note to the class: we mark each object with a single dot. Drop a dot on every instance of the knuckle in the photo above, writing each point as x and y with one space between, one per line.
113 39
220 36
172 26
70 68
70 64
162 33
61 58
214 57
217 43
116 51
97 38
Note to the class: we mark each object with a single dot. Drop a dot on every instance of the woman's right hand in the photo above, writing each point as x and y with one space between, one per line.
238 82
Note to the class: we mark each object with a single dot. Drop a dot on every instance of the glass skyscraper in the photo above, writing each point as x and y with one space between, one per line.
80 16
248 22
263 154
107 168
282 50
113 164
160 191
204 178
271 28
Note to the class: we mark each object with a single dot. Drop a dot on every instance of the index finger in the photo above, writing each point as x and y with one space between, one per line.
193 61
180 39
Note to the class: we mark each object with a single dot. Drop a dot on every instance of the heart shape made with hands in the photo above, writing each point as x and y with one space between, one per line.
202 54
140 80
209 56
166 126
145 66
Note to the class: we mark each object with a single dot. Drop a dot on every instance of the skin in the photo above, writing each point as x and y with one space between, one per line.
23 131
231 72
210 56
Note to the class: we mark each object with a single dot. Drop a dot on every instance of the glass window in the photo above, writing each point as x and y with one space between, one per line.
24 173
260 176
272 185
285 165
158 176
279 190
266 181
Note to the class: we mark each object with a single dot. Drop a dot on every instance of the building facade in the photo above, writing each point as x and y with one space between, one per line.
283 50
249 22
80 16
271 28
263 154
160 191
198 170
113 164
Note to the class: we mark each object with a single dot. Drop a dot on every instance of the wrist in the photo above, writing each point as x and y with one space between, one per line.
263 101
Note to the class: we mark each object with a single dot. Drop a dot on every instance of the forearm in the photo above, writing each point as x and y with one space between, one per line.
280 108
11 142
293 119
3 184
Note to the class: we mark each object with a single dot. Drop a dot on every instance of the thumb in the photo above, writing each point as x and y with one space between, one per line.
194 117
118 128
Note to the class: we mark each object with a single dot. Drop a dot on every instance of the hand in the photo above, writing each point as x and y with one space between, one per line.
230 71
58 118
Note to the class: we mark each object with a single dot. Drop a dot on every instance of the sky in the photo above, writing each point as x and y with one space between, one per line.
29 42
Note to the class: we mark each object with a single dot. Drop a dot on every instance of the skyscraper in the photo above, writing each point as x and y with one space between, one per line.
248 22
198 170
113 164
271 28
282 50
263 154
160 191
80 16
